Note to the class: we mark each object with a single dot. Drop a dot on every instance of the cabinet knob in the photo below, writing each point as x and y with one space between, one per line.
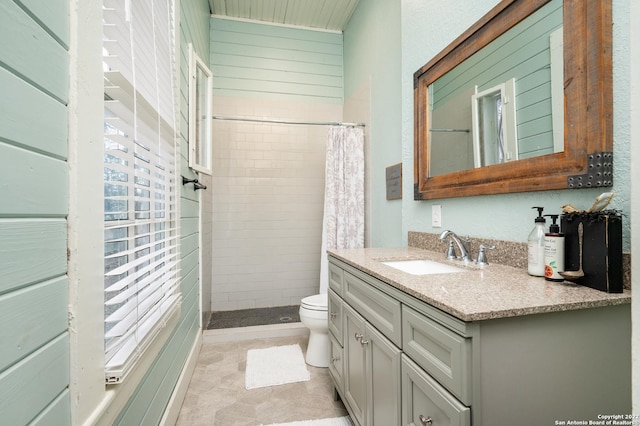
335 359
425 421
333 315
360 338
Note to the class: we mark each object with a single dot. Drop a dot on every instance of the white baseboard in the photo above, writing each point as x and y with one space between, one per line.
180 391
255 332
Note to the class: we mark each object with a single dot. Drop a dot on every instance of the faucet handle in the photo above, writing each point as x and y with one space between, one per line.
482 256
451 251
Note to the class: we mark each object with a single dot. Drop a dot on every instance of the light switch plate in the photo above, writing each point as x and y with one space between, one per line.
436 216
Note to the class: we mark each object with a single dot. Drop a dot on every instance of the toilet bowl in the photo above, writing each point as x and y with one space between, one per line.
313 314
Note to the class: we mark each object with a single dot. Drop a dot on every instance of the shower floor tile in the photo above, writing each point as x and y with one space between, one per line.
252 317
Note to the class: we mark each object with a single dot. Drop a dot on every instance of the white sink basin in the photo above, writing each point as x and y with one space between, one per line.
423 267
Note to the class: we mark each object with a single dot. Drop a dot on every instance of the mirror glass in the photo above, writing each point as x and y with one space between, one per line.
503 103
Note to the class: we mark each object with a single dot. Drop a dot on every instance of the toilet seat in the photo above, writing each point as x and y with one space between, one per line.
317 302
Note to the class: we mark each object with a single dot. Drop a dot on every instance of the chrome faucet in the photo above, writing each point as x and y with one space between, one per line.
463 244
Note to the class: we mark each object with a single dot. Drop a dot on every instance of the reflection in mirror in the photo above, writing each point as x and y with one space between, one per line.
493 114
503 103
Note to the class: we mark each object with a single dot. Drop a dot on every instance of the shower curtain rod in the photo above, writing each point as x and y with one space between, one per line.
451 130
308 123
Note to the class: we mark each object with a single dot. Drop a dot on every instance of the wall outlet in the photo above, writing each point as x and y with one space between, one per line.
436 216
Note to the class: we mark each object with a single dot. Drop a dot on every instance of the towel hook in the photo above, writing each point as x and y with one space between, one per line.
196 185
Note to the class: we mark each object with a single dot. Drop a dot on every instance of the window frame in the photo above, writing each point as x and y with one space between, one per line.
200 137
94 401
141 161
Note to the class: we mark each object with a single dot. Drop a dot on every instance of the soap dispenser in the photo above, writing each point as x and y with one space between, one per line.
553 251
536 245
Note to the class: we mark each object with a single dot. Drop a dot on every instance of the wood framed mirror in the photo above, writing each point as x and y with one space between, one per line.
587 158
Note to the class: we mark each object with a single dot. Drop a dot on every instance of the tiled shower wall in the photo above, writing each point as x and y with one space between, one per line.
268 191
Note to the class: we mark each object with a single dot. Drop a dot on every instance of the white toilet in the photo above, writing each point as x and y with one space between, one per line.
313 314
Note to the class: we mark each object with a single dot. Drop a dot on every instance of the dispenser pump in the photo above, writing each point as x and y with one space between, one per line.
539 218
535 246
554 228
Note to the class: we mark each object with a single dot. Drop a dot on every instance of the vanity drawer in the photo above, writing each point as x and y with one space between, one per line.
336 363
380 309
443 354
425 402
335 278
335 316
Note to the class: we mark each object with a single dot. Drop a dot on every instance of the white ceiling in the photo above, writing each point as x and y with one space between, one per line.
330 15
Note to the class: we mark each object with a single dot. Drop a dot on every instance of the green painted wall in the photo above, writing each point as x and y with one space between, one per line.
34 340
34 189
255 60
373 57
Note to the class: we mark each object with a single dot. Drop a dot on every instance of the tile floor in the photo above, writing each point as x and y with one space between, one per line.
217 396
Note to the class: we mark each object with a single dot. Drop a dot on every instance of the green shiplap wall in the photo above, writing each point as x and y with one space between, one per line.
147 405
521 53
253 60
34 340
373 60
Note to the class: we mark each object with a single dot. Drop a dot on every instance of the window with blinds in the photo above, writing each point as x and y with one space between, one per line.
141 252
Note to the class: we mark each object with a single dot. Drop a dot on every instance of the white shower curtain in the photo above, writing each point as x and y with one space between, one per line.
343 221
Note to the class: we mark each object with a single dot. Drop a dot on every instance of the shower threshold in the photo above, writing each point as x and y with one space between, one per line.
253 317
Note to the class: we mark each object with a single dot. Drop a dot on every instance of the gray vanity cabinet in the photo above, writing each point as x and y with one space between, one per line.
355 380
400 361
372 373
383 382
335 316
378 383
336 350
368 374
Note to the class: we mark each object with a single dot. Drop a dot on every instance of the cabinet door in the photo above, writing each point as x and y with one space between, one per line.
355 391
336 365
383 368
335 316
426 402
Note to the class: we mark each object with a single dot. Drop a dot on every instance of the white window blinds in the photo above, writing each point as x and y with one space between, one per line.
140 197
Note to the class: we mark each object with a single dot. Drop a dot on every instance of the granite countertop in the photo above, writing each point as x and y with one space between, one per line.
495 291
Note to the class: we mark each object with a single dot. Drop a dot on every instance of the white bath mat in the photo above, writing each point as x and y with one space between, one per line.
275 366
335 421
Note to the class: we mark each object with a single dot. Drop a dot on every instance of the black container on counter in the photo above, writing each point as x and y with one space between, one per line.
601 248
